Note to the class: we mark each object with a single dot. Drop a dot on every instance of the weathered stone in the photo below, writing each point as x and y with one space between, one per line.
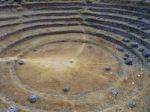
108 69
141 49
66 89
12 109
132 104
128 61
120 49
114 92
125 40
146 54
20 62
33 98
127 55
134 45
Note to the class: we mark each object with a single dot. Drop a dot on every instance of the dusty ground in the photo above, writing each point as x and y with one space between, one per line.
75 61
51 66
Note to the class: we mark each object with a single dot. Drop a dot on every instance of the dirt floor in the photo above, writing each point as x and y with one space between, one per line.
88 66
52 65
